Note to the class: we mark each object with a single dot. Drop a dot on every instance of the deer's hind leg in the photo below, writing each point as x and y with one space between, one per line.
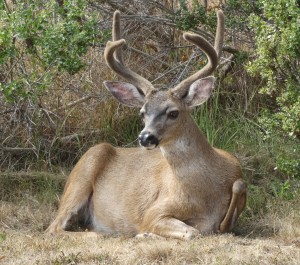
237 205
78 190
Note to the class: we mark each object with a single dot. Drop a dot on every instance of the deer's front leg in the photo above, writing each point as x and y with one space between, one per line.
169 227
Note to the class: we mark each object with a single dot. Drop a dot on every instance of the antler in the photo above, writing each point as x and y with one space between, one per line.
114 59
213 54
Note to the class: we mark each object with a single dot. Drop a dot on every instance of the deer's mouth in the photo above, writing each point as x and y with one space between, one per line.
150 147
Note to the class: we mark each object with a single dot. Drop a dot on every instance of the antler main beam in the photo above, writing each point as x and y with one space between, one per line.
113 57
213 54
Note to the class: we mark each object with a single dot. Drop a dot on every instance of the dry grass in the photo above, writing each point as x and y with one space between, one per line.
21 247
25 212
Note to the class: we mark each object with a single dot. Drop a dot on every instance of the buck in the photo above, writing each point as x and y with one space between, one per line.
177 185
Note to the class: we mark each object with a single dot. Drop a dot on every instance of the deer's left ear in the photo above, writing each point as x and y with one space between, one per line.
199 91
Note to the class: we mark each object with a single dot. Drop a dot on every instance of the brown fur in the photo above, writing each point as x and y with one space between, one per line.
179 189
169 192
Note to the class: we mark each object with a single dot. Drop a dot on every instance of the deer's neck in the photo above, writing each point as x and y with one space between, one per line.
190 153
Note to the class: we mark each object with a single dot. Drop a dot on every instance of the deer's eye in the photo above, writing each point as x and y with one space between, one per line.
173 114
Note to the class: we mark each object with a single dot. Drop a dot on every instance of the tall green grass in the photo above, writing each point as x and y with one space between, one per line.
27 186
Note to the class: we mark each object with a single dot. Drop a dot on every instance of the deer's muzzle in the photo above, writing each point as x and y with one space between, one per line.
148 140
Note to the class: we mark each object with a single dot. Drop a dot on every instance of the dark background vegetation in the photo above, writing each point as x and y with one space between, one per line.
53 105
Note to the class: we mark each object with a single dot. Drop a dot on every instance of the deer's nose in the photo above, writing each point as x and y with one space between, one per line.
149 140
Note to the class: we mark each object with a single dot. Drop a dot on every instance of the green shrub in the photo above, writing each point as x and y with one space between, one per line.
277 36
39 40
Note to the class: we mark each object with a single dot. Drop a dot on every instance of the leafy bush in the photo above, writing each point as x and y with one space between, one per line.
186 19
39 39
277 36
239 11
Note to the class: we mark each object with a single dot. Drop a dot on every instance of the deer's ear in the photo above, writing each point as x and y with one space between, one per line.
199 91
125 93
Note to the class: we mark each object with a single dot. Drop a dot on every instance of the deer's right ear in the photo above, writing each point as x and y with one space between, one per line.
125 93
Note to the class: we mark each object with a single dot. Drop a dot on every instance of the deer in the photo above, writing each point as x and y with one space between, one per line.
175 184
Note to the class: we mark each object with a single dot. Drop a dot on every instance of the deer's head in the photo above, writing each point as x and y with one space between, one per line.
163 111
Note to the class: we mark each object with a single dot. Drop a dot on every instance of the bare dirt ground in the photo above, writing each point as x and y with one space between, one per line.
24 215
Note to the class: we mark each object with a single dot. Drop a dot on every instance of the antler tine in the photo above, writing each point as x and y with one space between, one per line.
213 54
116 34
220 33
114 59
